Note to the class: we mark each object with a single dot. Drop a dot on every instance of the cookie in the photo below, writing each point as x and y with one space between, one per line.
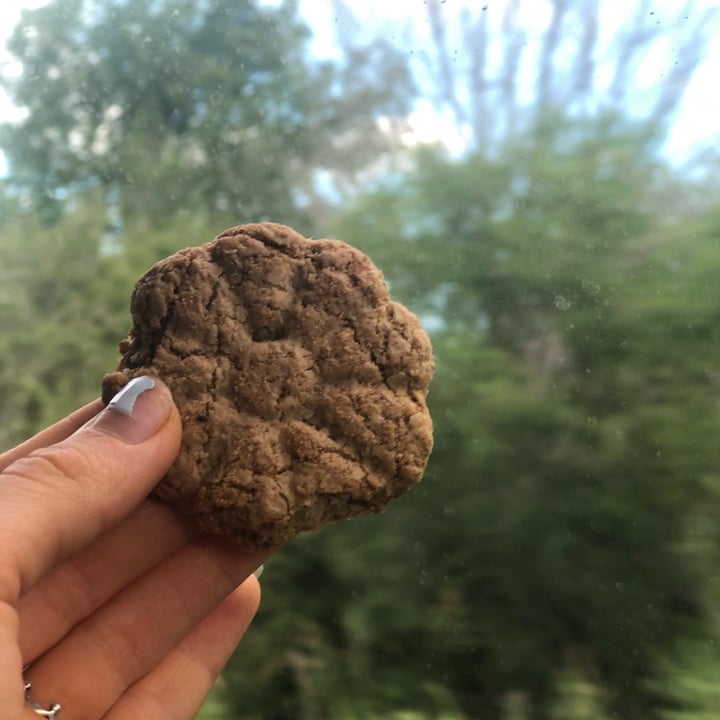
301 385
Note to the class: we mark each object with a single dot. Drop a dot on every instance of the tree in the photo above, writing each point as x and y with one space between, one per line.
212 106
60 314
490 71
548 276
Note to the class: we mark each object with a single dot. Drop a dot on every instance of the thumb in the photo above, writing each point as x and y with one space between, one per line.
58 499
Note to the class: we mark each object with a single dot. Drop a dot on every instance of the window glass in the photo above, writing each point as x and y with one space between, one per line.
537 181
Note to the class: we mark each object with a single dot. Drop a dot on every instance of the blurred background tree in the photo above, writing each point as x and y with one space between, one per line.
559 560
213 107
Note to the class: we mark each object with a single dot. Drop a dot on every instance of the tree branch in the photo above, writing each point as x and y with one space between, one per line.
585 64
630 44
689 55
476 43
448 90
514 40
550 43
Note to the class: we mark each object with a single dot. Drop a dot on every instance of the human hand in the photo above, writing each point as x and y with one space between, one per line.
121 608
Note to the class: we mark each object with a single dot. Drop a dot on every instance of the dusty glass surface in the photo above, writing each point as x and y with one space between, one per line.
538 182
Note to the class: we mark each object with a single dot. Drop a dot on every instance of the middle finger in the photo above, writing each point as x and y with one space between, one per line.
75 589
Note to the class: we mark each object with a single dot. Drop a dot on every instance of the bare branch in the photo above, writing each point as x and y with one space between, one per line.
514 40
476 43
346 25
630 44
446 78
585 67
691 52
550 43
483 87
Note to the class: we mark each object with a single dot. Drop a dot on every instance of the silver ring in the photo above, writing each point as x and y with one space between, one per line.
53 713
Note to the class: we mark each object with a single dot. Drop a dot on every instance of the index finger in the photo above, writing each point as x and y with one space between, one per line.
57 499
53 434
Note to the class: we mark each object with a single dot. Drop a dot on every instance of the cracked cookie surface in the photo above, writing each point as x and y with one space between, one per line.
300 383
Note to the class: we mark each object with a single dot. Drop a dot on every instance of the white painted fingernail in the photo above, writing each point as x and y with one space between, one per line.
259 572
124 401
135 415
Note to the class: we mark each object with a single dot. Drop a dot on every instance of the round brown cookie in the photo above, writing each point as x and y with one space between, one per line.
300 384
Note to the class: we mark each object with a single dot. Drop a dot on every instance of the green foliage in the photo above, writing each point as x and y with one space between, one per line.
688 679
578 699
560 491
64 306
54 337
567 522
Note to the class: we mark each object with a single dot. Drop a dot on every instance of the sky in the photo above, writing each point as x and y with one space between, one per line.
697 122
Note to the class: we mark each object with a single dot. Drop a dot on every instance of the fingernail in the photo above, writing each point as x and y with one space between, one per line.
259 572
124 401
134 415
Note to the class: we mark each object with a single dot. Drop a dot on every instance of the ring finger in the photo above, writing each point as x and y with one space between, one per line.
78 587
94 665
180 683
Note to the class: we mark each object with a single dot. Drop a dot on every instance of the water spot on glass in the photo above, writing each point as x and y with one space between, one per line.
620 586
592 421
562 303
619 434
591 287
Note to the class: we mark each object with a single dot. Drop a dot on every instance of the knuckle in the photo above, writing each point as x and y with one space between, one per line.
71 463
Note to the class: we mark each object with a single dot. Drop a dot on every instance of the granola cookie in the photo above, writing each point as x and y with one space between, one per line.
300 383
